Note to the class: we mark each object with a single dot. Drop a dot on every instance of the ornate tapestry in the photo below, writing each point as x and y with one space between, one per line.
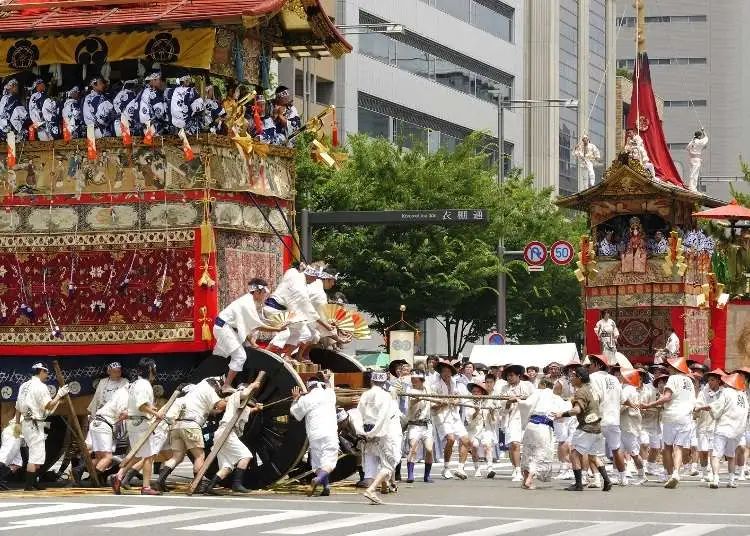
242 257
97 288
696 331
642 329
124 170
610 273
738 336
638 295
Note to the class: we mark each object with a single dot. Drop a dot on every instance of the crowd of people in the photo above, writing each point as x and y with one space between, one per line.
612 243
144 108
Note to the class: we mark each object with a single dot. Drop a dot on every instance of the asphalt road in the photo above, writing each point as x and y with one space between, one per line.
475 507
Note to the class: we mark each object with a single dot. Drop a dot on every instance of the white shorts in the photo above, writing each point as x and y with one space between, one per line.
513 433
150 447
612 437
677 434
10 450
228 342
102 437
296 334
33 436
451 426
587 443
631 443
420 434
382 448
324 452
651 437
705 441
232 452
485 438
725 446
564 429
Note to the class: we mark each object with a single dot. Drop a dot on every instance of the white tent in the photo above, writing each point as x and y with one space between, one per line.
527 355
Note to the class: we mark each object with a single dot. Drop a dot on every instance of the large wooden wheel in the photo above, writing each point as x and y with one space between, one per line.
276 439
335 361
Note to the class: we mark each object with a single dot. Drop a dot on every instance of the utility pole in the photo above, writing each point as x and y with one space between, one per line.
502 319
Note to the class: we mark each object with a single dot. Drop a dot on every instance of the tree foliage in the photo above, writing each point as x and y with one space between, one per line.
445 272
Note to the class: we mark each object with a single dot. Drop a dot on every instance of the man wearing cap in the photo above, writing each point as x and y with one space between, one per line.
447 419
98 110
513 422
323 279
678 400
8 103
630 419
705 422
186 106
186 434
482 420
419 428
563 427
318 409
140 408
236 324
285 114
609 391
35 404
107 387
152 111
588 442
71 113
378 417
234 456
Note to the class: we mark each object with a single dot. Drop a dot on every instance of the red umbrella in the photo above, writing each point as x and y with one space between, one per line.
732 212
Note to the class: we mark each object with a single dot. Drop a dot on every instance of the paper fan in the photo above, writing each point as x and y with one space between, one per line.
361 329
278 320
339 317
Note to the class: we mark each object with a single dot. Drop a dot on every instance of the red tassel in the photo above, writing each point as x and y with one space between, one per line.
91 151
148 136
32 132
258 121
67 136
335 130
188 152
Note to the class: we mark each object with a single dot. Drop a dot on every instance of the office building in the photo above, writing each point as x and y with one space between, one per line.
699 52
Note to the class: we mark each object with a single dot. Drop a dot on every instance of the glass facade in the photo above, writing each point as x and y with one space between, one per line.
429 64
491 16
569 130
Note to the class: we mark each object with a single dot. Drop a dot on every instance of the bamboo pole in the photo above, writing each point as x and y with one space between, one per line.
77 428
228 429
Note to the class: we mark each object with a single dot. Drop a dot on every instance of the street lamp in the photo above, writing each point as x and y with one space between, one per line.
504 103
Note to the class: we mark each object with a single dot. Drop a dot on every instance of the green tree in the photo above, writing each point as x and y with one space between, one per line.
445 272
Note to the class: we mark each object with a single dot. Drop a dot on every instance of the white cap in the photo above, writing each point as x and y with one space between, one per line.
39 366
114 365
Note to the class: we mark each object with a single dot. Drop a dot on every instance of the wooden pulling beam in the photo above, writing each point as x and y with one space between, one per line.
77 428
436 397
146 436
228 429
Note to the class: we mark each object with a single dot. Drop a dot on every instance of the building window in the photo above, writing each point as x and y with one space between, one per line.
491 16
630 63
431 60
407 127
631 22
684 103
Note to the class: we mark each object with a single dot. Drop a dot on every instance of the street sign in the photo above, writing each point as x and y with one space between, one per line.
496 338
535 254
533 268
561 252
448 216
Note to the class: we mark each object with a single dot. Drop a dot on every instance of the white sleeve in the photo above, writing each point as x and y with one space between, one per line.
300 408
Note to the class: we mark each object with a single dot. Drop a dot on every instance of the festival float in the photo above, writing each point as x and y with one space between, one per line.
116 249
647 260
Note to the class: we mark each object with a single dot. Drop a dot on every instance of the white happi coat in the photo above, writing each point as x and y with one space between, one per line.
105 390
318 409
241 319
380 417
695 152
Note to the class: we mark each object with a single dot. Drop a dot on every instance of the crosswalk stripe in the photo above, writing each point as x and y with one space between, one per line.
46 509
508 528
599 529
174 518
419 526
99 514
364 519
12 504
253 521
691 530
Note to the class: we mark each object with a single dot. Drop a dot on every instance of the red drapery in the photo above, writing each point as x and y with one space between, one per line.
643 112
